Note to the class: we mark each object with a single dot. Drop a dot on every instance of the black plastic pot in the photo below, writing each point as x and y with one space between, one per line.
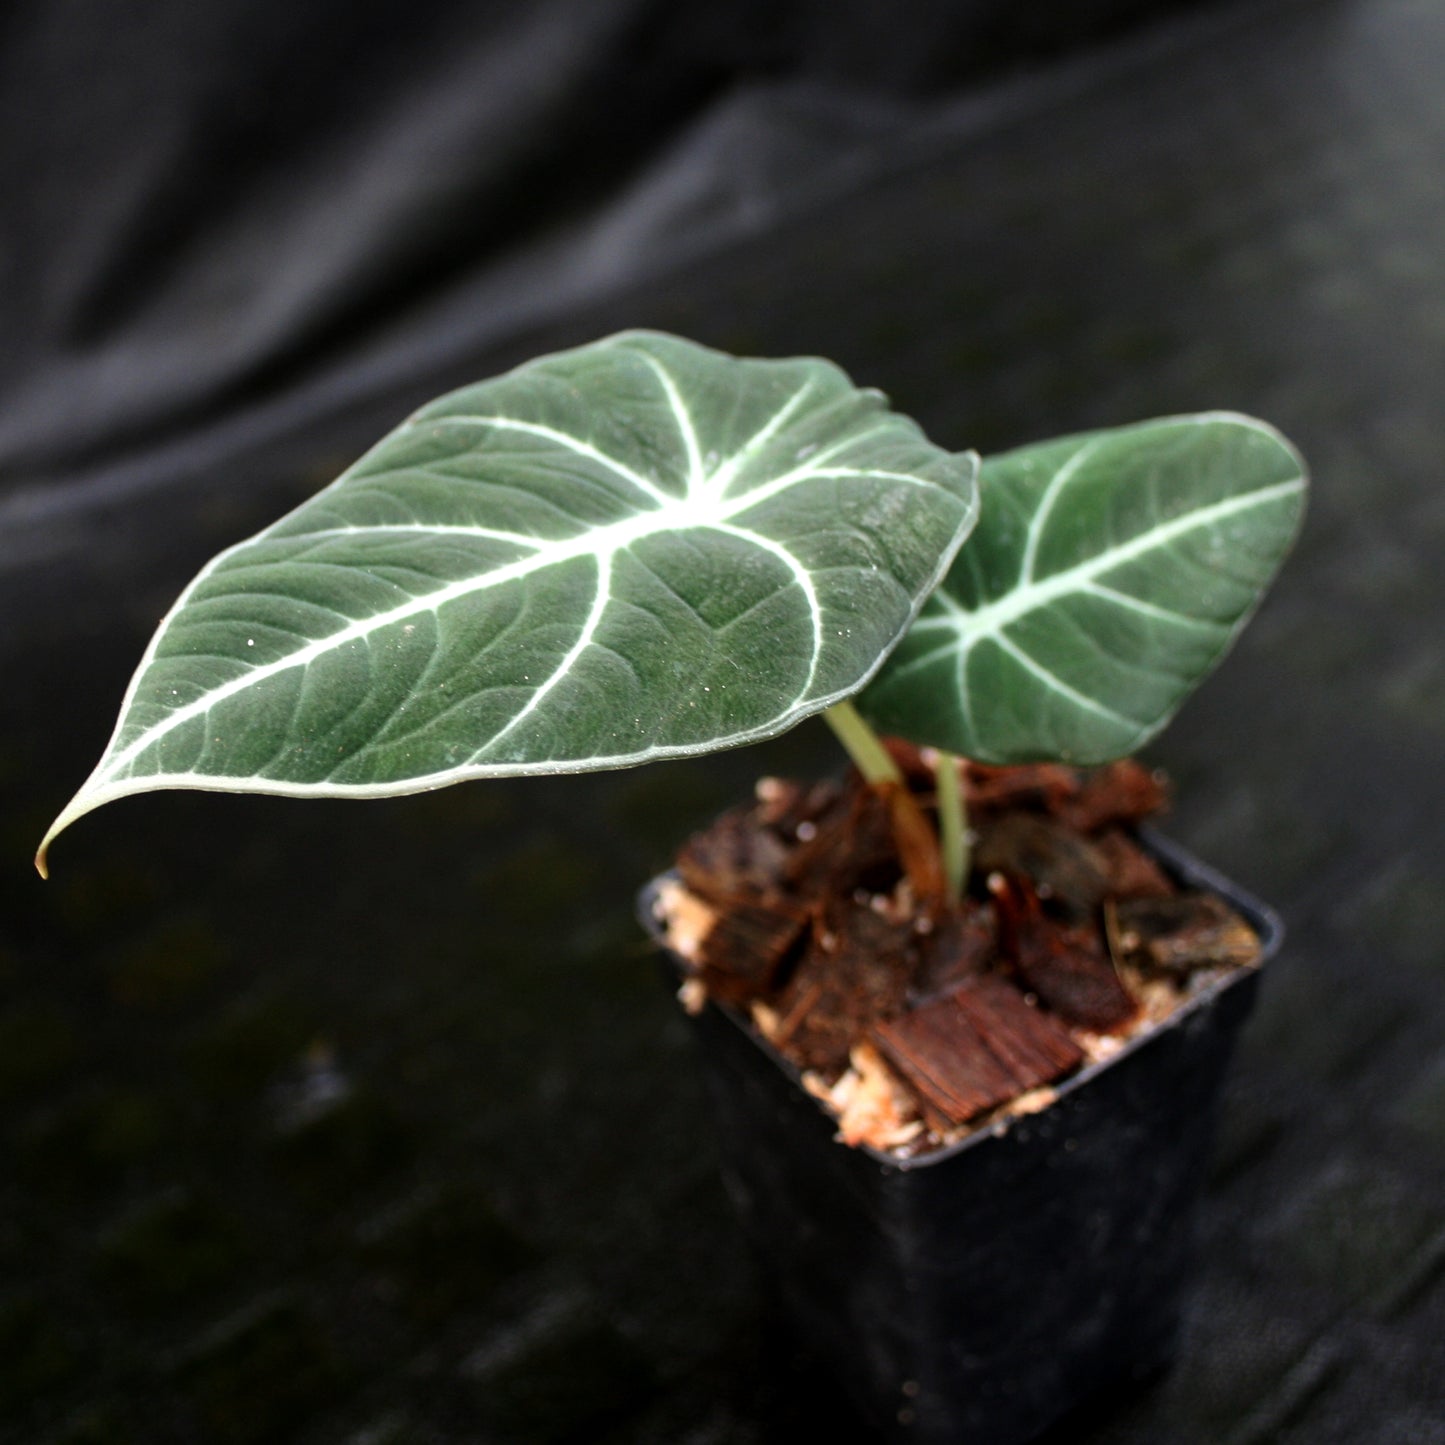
975 1295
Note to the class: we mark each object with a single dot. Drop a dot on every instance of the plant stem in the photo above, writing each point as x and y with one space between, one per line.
869 755
914 835
952 823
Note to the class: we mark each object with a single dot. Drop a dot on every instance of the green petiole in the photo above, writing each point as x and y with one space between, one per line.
869 755
952 823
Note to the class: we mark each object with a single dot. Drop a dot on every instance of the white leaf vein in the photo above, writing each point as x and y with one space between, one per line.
728 469
1172 616
696 478
1040 519
1055 683
804 580
992 616
551 434
600 598
428 529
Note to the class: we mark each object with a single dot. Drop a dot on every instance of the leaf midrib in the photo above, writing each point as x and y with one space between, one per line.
697 511
973 624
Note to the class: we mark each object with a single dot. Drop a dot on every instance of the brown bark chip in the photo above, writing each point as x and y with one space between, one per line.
1062 865
975 1049
1122 792
1066 967
1073 978
742 955
856 969
1185 932
733 859
1031 785
849 846
960 945
1131 871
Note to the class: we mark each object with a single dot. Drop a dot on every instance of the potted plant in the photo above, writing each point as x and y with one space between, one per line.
643 549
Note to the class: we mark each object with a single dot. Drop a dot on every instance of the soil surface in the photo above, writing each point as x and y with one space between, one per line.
917 1018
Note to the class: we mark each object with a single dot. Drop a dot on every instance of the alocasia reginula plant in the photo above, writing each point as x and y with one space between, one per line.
643 549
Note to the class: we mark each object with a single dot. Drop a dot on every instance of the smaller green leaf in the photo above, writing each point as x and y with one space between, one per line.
1107 576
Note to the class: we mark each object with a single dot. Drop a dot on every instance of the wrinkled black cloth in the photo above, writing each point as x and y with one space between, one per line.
214 207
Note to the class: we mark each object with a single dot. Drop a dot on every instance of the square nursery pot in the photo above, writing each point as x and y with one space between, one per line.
976 1294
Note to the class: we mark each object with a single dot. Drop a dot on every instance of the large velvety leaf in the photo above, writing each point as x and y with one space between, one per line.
1108 574
637 549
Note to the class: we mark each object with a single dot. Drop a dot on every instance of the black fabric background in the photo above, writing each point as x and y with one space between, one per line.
211 206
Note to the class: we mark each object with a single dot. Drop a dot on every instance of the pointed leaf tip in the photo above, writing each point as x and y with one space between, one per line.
42 853
82 803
